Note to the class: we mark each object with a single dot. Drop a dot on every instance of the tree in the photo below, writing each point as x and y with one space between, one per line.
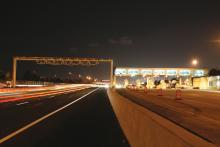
214 72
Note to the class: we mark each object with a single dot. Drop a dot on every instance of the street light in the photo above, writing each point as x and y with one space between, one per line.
194 62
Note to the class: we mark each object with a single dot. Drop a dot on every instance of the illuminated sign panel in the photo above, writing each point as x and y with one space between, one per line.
171 72
146 72
133 71
159 72
120 72
184 72
198 73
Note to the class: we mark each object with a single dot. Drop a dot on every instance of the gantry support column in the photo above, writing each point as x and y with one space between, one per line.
14 72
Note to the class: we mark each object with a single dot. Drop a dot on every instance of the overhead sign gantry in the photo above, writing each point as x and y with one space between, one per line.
69 61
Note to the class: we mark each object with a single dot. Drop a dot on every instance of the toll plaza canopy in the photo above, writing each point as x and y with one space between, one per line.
189 72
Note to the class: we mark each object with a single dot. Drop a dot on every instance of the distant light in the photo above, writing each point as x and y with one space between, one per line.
132 75
88 77
218 82
105 86
216 41
194 62
29 85
118 86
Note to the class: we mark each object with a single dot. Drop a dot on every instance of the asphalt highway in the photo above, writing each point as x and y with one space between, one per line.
194 110
80 118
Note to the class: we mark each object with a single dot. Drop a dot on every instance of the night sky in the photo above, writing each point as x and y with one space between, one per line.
150 34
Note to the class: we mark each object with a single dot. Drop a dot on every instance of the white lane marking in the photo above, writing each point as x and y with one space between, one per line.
22 103
52 96
75 91
42 118
70 96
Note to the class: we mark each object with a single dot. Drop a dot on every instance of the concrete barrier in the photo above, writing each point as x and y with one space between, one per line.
144 128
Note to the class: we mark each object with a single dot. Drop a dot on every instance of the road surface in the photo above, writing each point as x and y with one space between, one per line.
196 111
83 118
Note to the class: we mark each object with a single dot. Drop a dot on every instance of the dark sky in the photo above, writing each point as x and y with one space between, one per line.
150 34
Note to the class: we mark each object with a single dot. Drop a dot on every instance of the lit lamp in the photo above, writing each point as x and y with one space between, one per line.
194 62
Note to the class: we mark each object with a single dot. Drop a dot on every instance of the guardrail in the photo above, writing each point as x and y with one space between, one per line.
34 83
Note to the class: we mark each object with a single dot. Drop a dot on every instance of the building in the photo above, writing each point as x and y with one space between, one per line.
212 82
148 76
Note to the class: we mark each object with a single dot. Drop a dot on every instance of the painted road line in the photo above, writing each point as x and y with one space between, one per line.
75 91
42 118
22 103
52 96
70 96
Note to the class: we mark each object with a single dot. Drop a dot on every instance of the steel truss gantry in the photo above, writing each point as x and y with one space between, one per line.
69 61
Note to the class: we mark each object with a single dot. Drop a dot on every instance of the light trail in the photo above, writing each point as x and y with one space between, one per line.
65 89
